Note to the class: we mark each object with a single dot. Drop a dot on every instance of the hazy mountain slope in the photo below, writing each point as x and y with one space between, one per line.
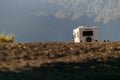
102 10
54 20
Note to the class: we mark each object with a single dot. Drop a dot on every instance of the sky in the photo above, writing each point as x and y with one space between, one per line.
54 20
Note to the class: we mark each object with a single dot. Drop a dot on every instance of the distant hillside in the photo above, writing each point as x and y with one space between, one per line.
60 61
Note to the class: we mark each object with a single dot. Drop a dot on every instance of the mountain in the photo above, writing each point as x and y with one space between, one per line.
102 10
54 20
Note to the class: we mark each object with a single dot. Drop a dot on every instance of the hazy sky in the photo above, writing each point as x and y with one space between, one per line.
54 20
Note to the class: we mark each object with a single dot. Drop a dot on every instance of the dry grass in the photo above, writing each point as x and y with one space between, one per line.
7 38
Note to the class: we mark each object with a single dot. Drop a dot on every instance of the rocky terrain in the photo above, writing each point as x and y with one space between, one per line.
60 61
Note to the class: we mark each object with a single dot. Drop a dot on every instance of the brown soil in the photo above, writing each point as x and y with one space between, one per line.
60 61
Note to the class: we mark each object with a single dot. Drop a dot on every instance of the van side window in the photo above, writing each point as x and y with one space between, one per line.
77 34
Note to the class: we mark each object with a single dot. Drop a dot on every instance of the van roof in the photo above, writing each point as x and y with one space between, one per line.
86 27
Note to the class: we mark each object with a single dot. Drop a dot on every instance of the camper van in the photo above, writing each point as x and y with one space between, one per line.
85 34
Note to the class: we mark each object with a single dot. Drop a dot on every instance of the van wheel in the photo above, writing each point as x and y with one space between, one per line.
89 39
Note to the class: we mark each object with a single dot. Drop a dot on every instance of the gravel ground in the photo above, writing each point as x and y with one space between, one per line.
60 61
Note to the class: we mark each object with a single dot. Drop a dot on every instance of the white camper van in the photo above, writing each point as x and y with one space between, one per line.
85 34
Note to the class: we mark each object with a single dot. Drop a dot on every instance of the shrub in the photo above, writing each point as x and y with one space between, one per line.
7 38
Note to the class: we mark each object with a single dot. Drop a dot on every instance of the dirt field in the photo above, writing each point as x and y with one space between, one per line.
60 61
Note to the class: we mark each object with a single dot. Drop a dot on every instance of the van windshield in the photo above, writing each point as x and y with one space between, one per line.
87 33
